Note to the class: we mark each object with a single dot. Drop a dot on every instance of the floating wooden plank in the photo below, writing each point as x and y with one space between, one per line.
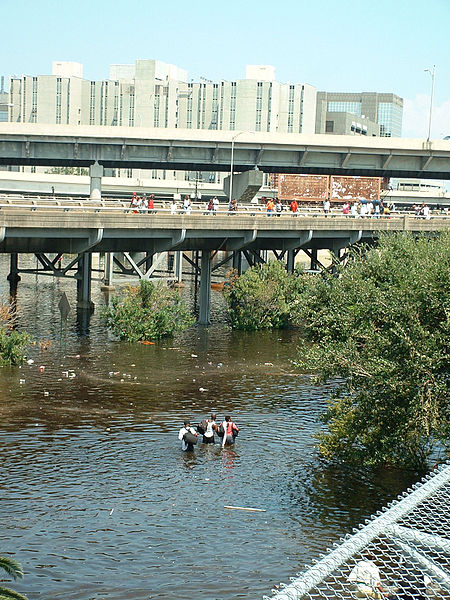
244 508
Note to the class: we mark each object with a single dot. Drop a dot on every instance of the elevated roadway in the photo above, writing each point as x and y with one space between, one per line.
81 228
86 227
205 150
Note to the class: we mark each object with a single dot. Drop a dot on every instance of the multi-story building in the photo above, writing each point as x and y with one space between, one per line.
384 110
154 94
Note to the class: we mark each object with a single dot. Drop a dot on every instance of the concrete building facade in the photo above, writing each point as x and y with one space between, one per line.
154 94
384 110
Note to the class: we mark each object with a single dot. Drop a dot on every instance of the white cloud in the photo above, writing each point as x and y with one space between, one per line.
416 114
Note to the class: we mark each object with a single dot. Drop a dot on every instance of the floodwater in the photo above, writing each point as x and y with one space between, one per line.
97 501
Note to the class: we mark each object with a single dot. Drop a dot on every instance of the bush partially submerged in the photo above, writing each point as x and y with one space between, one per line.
264 297
383 328
12 343
147 312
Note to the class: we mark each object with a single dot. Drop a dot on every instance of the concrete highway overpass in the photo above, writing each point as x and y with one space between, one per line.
206 150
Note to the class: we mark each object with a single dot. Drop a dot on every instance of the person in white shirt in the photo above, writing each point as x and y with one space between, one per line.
173 208
326 206
215 204
208 436
186 446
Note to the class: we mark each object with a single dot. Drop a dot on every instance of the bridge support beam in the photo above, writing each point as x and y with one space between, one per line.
84 281
314 264
96 174
290 264
14 276
237 262
205 288
178 266
108 271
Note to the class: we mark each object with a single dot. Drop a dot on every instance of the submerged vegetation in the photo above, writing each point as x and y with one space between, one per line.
13 343
147 312
264 297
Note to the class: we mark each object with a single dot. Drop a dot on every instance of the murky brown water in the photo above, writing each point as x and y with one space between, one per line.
98 502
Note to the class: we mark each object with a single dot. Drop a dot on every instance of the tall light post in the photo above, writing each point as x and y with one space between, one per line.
432 73
233 139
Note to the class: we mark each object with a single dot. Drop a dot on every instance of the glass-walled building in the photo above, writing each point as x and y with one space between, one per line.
385 110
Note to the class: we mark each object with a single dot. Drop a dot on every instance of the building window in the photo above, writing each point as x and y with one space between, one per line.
329 126
58 99
92 105
350 107
290 123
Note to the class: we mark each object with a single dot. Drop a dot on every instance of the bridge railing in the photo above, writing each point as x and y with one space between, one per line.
162 207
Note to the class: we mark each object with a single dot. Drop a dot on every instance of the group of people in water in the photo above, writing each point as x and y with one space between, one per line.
227 431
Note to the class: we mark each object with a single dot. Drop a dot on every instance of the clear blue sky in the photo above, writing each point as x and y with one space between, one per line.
335 45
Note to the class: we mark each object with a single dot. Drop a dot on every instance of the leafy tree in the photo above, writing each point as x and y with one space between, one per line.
381 331
147 312
12 343
263 297
14 570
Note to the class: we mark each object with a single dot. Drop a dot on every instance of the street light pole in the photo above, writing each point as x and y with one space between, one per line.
432 73
233 139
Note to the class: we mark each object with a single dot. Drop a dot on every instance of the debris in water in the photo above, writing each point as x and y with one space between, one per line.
219 365
42 368
30 361
111 512
194 355
244 508
21 381
46 393
146 343
202 390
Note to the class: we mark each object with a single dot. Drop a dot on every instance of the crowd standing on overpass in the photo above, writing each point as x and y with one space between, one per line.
275 207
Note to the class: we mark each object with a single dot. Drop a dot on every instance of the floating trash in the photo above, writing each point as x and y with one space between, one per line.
30 361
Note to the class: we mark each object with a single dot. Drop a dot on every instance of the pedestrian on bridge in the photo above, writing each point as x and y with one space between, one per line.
294 207
269 207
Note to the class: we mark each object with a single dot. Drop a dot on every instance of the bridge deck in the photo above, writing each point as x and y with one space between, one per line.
114 229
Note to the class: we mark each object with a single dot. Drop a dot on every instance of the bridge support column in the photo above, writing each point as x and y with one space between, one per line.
178 266
205 288
290 265
84 281
108 271
14 276
148 261
96 174
237 261
313 265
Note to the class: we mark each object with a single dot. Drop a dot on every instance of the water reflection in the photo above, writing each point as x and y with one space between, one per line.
98 501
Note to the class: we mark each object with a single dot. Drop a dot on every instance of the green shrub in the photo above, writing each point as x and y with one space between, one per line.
13 344
382 329
147 312
264 297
